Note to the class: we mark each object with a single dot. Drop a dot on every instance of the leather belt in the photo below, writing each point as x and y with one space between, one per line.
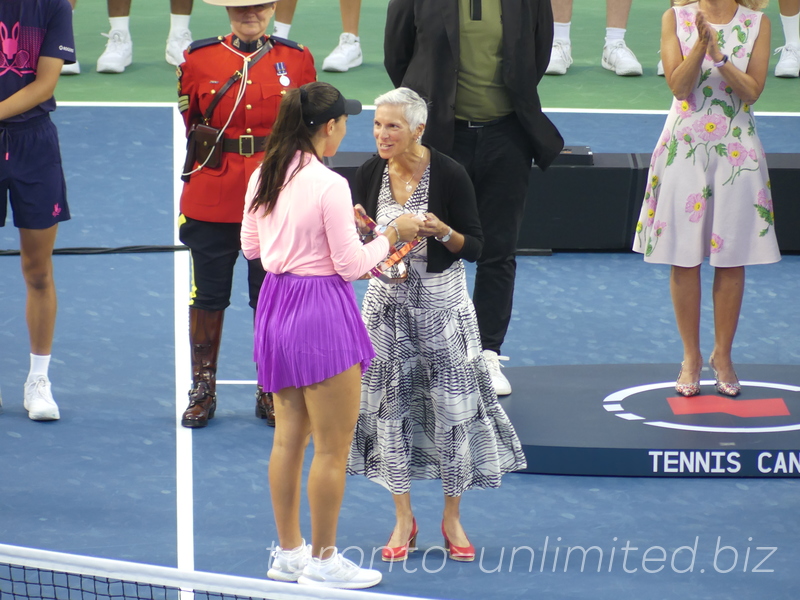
246 145
480 124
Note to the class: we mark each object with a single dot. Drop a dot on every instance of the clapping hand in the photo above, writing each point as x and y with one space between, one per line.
707 37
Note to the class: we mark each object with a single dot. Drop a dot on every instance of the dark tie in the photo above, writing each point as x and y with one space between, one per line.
475 10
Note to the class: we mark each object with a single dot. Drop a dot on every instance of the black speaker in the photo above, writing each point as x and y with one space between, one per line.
577 207
784 175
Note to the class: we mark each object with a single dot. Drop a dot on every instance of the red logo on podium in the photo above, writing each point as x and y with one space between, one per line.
696 405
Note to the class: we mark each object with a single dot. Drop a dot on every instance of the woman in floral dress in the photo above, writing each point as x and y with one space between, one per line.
708 191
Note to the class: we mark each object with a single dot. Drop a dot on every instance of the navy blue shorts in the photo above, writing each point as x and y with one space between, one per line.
31 175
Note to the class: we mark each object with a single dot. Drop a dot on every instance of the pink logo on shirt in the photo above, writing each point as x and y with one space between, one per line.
18 49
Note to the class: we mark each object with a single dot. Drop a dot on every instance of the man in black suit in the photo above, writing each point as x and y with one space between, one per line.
477 63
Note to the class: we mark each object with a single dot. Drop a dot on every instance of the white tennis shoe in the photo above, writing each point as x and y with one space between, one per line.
619 58
73 69
338 572
560 58
501 385
789 62
288 565
347 55
39 400
118 53
176 44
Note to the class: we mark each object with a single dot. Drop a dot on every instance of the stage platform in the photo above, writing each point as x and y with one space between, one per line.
627 420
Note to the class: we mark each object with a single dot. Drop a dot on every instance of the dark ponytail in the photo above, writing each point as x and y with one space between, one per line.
291 134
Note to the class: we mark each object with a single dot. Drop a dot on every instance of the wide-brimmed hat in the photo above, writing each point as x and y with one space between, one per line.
238 2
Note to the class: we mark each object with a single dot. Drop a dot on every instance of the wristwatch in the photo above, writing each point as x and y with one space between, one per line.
445 238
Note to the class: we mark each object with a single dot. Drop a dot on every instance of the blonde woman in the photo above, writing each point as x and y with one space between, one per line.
708 190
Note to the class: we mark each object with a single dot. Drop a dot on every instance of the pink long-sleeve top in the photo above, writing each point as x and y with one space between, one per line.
310 231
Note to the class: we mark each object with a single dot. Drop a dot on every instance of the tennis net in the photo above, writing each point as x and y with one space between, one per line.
31 574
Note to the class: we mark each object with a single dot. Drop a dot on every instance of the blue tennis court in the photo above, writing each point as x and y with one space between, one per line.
119 478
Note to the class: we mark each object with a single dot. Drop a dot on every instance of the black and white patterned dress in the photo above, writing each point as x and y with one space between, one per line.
428 408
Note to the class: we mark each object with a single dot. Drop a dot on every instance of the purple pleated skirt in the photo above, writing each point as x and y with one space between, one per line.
307 329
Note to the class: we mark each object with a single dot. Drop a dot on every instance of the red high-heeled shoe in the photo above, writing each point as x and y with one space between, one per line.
460 553
398 553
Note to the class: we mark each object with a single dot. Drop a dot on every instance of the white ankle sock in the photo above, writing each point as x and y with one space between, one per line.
120 23
178 24
281 30
614 34
561 32
39 365
791 29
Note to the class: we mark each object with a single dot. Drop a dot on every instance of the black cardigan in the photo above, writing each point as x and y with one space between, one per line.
451 198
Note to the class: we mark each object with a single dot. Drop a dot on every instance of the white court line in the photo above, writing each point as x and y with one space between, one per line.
592 111
184 481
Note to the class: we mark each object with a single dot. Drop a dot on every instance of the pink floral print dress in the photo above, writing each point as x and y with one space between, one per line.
708 191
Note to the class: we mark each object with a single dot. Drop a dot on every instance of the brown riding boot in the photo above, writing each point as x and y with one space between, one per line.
205 331
265 409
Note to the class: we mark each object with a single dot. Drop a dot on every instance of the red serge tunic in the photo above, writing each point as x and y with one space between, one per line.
217 195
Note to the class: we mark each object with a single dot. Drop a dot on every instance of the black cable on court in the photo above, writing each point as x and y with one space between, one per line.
101 250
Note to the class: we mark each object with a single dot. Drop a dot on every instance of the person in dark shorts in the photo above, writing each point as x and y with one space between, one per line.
36 41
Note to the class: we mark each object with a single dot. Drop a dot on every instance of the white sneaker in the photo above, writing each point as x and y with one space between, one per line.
560 58
118 53
618 57
288 565
39 400
73 69
338 572
660 69
176 44
789 62
347 55
501 385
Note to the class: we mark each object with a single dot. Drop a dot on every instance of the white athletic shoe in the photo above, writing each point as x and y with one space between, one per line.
347 55
118 53
618 57
288 565
501 385
338 572
176 44
73 69
660 69
789 62
39 400
560 58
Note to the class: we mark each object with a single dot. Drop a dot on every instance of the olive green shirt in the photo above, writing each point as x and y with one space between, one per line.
480 94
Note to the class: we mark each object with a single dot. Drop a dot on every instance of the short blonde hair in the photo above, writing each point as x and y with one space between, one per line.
751 4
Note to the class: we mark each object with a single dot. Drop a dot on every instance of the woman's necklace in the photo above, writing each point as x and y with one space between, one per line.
410 187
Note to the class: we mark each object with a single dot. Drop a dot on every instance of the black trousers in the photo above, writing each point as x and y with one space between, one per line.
498 160
215 248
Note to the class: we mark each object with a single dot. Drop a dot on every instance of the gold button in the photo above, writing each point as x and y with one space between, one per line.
249 106
283 92
249 82
213 91
249 130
